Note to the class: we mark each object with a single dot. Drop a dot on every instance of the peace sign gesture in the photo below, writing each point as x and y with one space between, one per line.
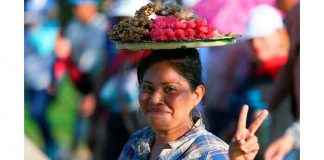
244 145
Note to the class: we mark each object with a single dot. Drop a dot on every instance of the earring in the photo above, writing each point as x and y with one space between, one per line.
200 118
140 117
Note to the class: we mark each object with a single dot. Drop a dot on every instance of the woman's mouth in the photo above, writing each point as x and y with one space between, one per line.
157 111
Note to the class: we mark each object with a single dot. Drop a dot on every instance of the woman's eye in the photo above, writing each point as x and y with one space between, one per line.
169 89
146 88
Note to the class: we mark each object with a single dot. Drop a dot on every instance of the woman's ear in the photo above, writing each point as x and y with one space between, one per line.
199 92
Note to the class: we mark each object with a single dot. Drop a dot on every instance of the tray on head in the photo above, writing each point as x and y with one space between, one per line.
154 45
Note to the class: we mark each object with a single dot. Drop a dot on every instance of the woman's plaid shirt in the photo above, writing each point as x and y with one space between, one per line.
197 143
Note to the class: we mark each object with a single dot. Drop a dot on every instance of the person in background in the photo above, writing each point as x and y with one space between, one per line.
119 96
86 33
119 93
225 16
282 146
288 83
41 30
248 71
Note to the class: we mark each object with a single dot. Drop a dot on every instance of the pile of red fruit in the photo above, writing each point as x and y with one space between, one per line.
166 28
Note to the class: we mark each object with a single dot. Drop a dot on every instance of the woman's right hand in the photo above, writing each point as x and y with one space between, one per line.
244 145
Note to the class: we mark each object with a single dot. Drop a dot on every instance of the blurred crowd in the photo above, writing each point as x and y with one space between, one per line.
69 39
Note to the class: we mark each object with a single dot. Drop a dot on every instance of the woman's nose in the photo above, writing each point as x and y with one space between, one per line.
156 97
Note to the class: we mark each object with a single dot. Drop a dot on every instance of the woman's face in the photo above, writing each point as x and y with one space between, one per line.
166 98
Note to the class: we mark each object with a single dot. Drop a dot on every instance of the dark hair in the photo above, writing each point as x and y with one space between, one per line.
185 61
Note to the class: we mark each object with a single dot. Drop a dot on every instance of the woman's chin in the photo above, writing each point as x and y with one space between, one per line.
158 122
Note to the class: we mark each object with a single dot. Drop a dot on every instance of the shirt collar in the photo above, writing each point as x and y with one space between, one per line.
143 147
196 129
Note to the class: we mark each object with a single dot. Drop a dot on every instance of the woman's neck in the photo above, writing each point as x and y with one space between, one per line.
163 137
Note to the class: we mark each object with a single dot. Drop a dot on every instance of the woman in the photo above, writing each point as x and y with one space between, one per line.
170 89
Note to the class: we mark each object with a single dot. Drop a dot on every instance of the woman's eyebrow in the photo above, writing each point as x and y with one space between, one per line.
147 82
163 83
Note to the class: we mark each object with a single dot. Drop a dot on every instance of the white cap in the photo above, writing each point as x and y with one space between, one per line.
126 8
263 20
